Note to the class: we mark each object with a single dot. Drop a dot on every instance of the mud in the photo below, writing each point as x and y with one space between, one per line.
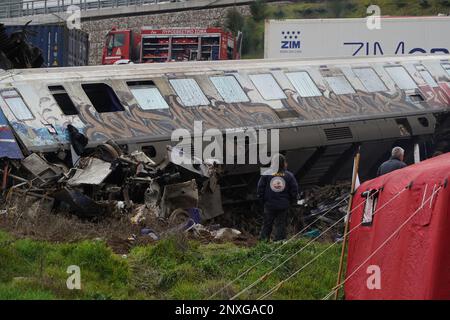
30 218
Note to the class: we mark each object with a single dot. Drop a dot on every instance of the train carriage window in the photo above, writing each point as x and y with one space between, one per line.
267 86
229 89
147 95
401 77
102 97
189 92
16 104
446 67
426 75
303 83
370 79
63 100
428 78
340 85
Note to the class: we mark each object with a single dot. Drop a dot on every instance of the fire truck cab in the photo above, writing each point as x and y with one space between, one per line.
174 44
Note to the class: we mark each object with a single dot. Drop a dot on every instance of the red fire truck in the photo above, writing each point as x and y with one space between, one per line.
173 44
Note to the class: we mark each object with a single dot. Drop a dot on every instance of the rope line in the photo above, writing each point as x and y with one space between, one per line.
264 277
272 290
385 242
264 258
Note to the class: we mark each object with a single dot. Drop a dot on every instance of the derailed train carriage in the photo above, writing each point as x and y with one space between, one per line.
323 109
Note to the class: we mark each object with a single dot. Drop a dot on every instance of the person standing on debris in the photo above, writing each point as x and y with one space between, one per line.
277 190
394 163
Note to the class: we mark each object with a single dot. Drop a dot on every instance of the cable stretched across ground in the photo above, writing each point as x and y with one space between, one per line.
278 286
265 257
264 277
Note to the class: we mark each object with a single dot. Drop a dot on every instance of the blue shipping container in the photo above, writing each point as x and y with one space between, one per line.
61 46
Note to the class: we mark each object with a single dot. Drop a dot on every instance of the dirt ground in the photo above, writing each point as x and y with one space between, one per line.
32 218
29 217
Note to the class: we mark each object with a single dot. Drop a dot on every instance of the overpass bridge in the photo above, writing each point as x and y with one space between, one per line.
99 16
54 11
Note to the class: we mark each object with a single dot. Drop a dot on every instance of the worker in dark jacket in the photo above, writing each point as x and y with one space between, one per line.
277 190
394 163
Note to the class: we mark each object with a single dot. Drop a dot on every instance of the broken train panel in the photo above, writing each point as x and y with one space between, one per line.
323 108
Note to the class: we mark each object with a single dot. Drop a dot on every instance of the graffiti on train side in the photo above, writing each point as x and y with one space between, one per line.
136 122
437 96
317 108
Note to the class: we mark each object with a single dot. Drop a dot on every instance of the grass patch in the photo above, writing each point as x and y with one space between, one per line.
170 269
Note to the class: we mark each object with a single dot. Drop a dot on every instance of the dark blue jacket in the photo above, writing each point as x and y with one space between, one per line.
390 165
277 191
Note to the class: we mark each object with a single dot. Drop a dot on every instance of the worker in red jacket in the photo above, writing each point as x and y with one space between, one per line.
277 190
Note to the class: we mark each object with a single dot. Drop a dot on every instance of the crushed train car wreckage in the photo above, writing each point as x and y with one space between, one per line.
107 174
85 137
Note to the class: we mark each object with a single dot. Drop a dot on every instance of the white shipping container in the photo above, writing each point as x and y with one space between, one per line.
315 38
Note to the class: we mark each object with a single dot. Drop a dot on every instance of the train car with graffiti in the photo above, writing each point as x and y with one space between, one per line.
322 109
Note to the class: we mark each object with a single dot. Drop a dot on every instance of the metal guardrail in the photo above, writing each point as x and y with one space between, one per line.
21 8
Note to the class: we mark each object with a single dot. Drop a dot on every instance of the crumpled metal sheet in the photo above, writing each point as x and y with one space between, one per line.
141 157
79 203
182 195
94 173
40 167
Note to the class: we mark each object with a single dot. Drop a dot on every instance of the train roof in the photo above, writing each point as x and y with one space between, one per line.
135 70
143 103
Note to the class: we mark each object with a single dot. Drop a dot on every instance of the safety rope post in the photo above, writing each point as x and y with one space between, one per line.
347 222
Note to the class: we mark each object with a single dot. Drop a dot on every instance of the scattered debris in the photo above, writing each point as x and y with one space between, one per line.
91 171
226 234
318 208
149 232
108 182
88 185
154 200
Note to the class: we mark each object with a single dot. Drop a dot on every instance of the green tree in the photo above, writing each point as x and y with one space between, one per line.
234 21
279 14
336 8
258 10
249 40
253 41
